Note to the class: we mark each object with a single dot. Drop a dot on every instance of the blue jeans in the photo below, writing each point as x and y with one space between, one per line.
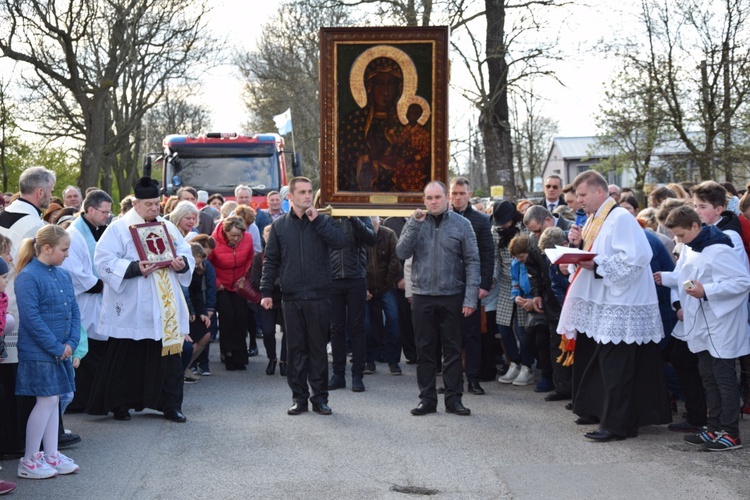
511 342
383 337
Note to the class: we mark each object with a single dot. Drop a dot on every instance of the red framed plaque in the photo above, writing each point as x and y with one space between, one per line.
153 243
384 118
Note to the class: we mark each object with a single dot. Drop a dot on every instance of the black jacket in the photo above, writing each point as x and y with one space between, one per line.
483 231
537 267
350 261
297 252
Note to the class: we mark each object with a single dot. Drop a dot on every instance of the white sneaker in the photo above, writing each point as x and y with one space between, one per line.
61 463
526 377
511 374
35 467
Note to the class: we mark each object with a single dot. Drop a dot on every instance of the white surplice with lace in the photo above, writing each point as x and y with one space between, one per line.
621 304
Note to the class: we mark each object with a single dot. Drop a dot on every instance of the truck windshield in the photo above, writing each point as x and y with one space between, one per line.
220 171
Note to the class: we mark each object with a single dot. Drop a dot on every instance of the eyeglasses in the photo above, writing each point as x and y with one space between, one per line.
550 186
613 193
105 212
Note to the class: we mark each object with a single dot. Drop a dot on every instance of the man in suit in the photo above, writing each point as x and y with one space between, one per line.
537 219
553 197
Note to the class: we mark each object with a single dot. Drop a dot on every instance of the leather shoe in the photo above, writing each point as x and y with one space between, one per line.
67 440
297 409
336 382
423 409
475 388
282 369
322 409
175 416
122 414
457 409
569 406
587 421
602 436
271 368
556 396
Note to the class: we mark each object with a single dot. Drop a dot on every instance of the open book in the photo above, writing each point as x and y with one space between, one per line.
567 255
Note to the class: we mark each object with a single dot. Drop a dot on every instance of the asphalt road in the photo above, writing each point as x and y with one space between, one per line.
240 443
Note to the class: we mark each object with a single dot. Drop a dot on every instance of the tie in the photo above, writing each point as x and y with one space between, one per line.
551 207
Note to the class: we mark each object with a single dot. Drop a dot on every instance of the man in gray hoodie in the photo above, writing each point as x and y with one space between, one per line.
445 284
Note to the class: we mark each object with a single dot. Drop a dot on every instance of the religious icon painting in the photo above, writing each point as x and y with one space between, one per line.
153 243
384 101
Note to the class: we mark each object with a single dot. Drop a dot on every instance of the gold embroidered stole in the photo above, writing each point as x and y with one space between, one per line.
171 340
594 224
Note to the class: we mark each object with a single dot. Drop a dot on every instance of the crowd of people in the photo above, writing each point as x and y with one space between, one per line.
657 313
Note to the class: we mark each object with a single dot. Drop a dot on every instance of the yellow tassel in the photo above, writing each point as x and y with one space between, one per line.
570 359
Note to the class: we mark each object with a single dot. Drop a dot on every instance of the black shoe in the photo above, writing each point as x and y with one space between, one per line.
357 384
322 409
411 361
67 440
586 421
336 382
253 351
475 388
175 416
121 414
271 368
282 369
297 409
685 426
457 409
602 436
369 368
569 406
394 369
556 396
423 409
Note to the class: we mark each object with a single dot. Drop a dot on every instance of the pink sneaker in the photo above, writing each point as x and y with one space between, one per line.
6 487
35 467
62 464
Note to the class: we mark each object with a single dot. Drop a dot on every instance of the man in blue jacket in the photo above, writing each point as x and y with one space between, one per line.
445 284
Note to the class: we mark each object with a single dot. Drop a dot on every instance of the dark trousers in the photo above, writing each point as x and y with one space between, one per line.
348 299
405 327
685 364
268 319
233 323
381 328
537 343
306 322
472 342
438 317
722 393
562 376
85 374
583 353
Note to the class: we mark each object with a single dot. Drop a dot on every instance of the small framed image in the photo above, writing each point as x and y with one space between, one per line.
384 118
153 243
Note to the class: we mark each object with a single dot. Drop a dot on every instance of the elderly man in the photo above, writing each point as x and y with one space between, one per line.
143 313
243 195
274 210
72 197
615 192
536 220
445 283
612 301
552 192
85 231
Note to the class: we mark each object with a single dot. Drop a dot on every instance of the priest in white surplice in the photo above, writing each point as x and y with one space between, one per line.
85 231
144 316
612 301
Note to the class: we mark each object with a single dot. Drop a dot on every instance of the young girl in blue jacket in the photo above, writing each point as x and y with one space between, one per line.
49 329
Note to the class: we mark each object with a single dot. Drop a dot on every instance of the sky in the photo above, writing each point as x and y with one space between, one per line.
583 71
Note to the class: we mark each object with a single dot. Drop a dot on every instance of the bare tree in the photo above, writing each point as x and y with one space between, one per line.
632 121
699 52
532 137
282 72
99 66
402 12
497 65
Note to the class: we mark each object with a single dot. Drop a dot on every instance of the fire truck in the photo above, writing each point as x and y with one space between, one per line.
217 162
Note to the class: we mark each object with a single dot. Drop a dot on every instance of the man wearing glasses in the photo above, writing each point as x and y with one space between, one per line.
615 192
84 232
553 197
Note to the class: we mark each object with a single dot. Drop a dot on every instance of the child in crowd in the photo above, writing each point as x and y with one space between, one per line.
199 318
713 284
50 326
520 293
200 365
5 486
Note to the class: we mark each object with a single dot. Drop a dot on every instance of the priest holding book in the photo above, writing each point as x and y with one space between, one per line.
612 311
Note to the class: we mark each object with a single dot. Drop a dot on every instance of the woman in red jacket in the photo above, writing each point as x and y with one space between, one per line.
231 259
